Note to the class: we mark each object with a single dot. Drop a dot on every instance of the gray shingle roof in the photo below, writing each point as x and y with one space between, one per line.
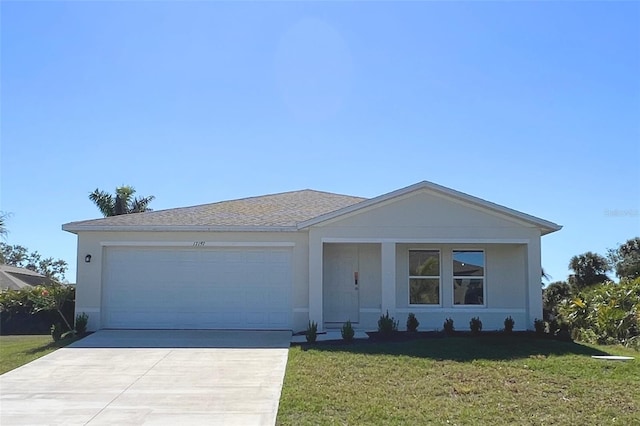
14 278
277 210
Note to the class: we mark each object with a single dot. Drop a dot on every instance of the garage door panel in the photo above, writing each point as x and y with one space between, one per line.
278 318
187 288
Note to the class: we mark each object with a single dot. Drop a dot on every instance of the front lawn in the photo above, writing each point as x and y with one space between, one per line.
460 381
19 350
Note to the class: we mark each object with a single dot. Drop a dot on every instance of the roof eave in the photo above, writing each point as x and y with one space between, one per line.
76 228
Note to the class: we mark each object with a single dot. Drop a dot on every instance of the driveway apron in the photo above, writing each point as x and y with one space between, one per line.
135 377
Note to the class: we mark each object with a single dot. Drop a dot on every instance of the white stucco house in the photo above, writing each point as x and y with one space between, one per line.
278 261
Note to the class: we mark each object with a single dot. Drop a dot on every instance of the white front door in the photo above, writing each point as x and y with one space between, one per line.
340 283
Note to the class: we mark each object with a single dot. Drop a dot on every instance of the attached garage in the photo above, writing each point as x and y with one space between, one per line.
197 288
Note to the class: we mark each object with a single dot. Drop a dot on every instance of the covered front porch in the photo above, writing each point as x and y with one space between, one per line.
357 280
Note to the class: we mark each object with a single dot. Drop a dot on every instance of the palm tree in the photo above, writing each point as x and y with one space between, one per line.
3 224
122 203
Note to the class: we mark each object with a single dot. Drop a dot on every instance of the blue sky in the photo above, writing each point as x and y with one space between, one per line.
535 106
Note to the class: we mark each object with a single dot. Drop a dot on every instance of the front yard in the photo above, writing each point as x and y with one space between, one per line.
460 381
19 350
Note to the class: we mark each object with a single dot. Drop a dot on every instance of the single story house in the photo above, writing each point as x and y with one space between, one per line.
15 278
278 261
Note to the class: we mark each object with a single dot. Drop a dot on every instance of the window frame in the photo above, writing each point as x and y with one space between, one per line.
438 277
483 278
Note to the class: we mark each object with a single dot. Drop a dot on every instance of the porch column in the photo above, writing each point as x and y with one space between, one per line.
534 280
315 281
388 272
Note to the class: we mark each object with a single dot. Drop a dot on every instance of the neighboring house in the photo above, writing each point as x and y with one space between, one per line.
278 261
14 278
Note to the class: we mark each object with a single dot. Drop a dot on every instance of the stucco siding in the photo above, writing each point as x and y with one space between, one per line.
370 279
506 276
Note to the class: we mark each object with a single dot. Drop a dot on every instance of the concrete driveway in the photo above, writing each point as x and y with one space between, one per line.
134 377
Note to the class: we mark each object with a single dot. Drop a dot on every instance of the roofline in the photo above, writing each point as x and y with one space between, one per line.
74 228
545 226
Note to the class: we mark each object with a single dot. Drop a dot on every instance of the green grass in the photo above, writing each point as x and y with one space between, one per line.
487 380
19 350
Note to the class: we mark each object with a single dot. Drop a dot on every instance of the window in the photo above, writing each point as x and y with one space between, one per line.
424 277
468 277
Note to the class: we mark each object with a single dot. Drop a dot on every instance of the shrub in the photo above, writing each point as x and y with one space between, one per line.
634 343
81 323
449 329
51 298
19 315
611 311
412 323
508 324
475 325
14 300
539 326
347 331
56 332
312 332
387 325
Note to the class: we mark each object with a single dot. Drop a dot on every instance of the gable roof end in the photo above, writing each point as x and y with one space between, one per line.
545 226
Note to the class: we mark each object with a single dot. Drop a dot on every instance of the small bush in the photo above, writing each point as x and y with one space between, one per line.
56 332
475 325
347 331
412 323
449 329
312 332
81 323
508 324
387 325
539 326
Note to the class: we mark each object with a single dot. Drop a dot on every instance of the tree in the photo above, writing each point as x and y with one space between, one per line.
52 298
123 202
626 259
552 296
544 276
3 224
20 257
588 269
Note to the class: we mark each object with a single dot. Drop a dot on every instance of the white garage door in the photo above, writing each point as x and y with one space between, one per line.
197 288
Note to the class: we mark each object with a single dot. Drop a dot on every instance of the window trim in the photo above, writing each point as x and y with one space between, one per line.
483 277
438 277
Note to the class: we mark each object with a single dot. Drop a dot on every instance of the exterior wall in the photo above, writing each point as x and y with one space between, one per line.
89 275
512 259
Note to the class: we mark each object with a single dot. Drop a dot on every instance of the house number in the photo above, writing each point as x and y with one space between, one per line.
198 243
